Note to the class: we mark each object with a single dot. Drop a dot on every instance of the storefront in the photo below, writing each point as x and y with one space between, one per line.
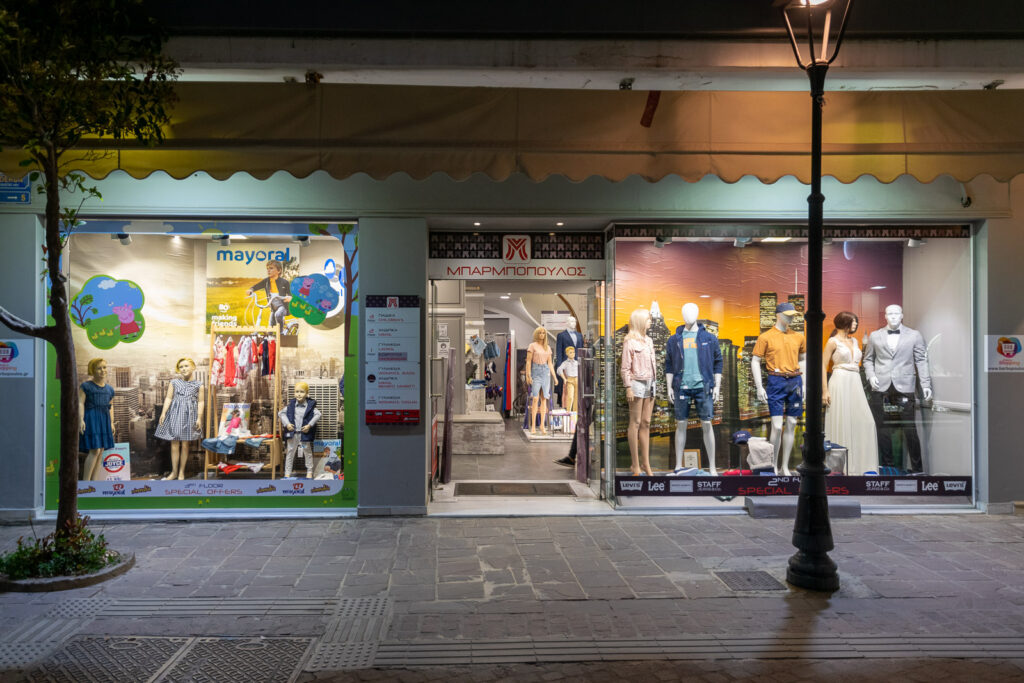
197 342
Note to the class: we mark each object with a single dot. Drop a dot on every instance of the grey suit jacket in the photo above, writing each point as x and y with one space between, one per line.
897 368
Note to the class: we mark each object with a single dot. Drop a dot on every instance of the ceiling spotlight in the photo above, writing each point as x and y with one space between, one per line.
476 223
878 287
303 240
776 239
122 237
661 240
224 240
705 296
914 242
559 224
741 242
503 296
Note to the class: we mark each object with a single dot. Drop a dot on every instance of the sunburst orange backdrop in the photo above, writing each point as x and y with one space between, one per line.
726 282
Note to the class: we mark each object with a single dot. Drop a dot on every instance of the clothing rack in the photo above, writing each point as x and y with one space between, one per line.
212 459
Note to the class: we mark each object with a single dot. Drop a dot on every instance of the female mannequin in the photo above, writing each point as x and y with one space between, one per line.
95 405
179 421
848 420
638 373
540 373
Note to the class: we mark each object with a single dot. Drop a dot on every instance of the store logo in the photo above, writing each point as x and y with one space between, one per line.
631 485
906 486
515 248
8 351
87 490
930 486
955 485
267 489
248 256
142 489
709 486
877 486
320 489
1008 347
392 302
680 486
113 463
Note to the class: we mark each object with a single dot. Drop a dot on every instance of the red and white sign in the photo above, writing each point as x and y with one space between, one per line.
515 248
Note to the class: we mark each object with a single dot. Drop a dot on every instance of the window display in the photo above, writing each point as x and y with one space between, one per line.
235 377
734 363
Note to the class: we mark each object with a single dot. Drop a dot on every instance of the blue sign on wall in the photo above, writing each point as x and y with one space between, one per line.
15 191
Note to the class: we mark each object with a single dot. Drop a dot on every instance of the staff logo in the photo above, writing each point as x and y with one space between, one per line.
515 248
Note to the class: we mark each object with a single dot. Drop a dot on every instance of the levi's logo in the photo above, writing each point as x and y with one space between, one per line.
954 485
631 485
515 248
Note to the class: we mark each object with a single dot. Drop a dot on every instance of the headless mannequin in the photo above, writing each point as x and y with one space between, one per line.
783 427
93 458
690 314
179 449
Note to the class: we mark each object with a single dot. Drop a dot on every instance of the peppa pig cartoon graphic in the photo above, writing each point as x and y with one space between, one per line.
109 310
126 316
307 284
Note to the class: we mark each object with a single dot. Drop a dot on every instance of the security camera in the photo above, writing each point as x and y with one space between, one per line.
223 240
303 240
660 241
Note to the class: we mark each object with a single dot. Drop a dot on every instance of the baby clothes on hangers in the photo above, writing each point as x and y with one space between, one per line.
217 365
229 363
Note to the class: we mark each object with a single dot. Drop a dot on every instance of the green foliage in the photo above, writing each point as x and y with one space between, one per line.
74 69
75 551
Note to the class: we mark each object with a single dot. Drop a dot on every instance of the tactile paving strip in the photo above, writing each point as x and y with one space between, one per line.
756 580
79 608
342 656
358 619
95 659
362 607
211 660
22 655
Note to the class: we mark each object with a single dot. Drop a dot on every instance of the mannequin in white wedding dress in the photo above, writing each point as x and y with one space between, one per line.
848 420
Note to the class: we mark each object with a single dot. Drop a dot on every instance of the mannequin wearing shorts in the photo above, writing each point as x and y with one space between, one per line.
638 372
783 351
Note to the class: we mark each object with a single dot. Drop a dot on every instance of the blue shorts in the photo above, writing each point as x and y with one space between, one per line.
541 376
700 397
785 395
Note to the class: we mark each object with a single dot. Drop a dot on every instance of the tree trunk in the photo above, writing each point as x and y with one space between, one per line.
67 371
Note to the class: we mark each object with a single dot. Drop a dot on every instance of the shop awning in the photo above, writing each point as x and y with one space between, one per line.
260 128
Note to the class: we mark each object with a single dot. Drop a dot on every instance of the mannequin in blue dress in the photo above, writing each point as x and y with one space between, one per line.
96 408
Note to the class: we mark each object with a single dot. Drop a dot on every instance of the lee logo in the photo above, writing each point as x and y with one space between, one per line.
515 248
655 486
930 486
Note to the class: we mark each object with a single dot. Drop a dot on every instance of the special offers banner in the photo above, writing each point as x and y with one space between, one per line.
790 486
210 488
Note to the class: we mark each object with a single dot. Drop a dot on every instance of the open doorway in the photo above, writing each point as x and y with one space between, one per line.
484 374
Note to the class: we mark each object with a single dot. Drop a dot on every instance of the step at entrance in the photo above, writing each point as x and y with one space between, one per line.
510 488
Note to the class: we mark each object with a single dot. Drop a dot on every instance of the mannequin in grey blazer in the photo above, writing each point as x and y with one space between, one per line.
893 373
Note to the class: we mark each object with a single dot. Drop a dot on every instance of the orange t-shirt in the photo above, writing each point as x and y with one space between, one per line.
781 350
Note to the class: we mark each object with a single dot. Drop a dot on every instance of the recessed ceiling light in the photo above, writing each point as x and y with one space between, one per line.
776 239
503 296
559 224
878 287
551 234
476 223
705 296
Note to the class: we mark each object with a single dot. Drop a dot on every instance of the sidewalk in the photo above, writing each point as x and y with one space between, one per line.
555 598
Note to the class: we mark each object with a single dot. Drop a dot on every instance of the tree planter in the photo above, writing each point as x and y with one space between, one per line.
60 583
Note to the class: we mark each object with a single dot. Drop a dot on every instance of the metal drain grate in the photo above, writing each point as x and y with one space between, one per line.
95 659
218 607
511 489
750 581
340 656
243 659
79 608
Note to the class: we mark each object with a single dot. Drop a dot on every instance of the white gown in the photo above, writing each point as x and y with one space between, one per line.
848 420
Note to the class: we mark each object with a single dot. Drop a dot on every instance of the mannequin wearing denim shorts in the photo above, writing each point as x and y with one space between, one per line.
783 352
639 369
693 374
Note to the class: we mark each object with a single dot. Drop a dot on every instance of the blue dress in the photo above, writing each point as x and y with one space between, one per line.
99 433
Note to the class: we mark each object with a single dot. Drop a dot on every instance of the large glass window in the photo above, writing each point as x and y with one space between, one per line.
217 365
898 366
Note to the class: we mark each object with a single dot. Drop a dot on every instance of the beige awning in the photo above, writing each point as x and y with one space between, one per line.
261 128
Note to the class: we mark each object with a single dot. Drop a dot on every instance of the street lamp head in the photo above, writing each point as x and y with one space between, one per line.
818 24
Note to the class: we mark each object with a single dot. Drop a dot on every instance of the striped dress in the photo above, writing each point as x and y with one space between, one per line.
180 421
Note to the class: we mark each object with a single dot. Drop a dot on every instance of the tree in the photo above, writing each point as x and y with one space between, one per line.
72 71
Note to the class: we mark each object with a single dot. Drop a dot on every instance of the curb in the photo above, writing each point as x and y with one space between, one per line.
60 583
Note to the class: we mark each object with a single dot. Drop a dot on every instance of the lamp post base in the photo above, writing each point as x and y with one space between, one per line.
816 572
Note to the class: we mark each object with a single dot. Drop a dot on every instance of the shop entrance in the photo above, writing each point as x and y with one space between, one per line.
480 338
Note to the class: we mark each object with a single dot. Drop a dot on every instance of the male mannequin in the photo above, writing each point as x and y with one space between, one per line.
891 357
784 354
569 337
693 373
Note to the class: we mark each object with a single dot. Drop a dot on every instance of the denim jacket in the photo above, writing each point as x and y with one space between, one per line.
709 357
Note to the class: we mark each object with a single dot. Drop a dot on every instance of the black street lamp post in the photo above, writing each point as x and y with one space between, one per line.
811 567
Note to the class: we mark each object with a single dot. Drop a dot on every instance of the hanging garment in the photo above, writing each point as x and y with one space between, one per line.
244 361
229 363
254 354
508 372
273 355
217 366
264 357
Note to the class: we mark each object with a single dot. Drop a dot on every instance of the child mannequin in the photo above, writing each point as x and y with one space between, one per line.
569 372
301 411
95 405
179 420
